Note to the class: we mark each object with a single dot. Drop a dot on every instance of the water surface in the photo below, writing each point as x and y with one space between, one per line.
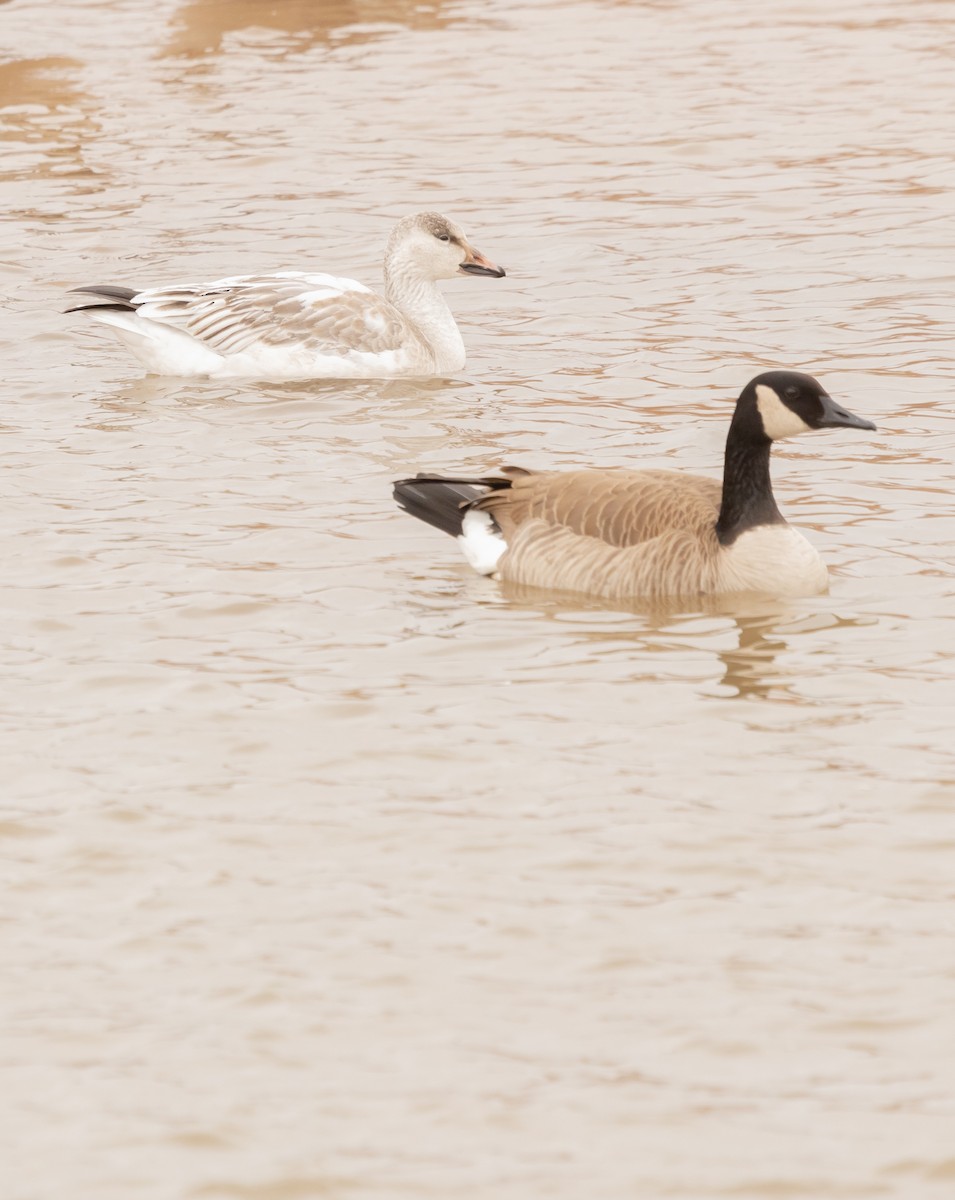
334 870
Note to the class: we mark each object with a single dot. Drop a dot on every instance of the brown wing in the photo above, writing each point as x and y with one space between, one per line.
313 312
619 508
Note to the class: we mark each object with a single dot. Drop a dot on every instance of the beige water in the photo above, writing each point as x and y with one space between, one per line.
330 869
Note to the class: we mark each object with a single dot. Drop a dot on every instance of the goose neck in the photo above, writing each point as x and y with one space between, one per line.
420 301
407 288
747 488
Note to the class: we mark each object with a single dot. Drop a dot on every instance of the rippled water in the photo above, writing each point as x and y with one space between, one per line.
334 870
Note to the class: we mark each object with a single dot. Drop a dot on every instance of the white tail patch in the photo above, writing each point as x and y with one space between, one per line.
481 541
779 421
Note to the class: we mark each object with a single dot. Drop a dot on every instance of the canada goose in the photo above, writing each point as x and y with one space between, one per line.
628 534
296 325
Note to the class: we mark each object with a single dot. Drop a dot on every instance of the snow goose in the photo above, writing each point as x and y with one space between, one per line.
624 535
298 325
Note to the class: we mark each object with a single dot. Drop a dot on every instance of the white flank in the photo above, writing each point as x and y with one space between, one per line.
161 350
775 559
779 421
290 363
481 541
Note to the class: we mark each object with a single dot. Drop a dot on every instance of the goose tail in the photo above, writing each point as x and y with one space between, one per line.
438 501
448 505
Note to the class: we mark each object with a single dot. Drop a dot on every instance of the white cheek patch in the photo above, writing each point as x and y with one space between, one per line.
778 420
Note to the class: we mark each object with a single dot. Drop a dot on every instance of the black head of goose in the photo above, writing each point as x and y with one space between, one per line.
624 535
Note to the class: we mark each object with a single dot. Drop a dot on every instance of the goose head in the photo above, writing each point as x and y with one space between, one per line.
781 404
433 248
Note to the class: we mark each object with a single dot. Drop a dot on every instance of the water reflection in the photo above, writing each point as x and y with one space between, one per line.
37 81
750 669
202 26
369 404
238 681
761 630
43 128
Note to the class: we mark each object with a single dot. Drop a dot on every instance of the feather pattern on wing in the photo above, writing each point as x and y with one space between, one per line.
316 313
622 508
609 533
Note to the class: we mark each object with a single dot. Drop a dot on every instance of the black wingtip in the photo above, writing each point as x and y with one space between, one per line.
106 297
108 290
100 308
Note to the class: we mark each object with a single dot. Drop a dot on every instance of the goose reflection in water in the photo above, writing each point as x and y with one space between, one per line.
750 669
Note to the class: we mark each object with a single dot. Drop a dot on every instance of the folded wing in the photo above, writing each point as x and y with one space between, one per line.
312 312
621 508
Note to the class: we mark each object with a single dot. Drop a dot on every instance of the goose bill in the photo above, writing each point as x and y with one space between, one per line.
834 416
477 264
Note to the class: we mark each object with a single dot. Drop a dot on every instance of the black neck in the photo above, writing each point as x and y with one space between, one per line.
747 489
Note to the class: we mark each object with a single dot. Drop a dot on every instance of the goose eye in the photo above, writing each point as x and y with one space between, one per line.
443 237
792 393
